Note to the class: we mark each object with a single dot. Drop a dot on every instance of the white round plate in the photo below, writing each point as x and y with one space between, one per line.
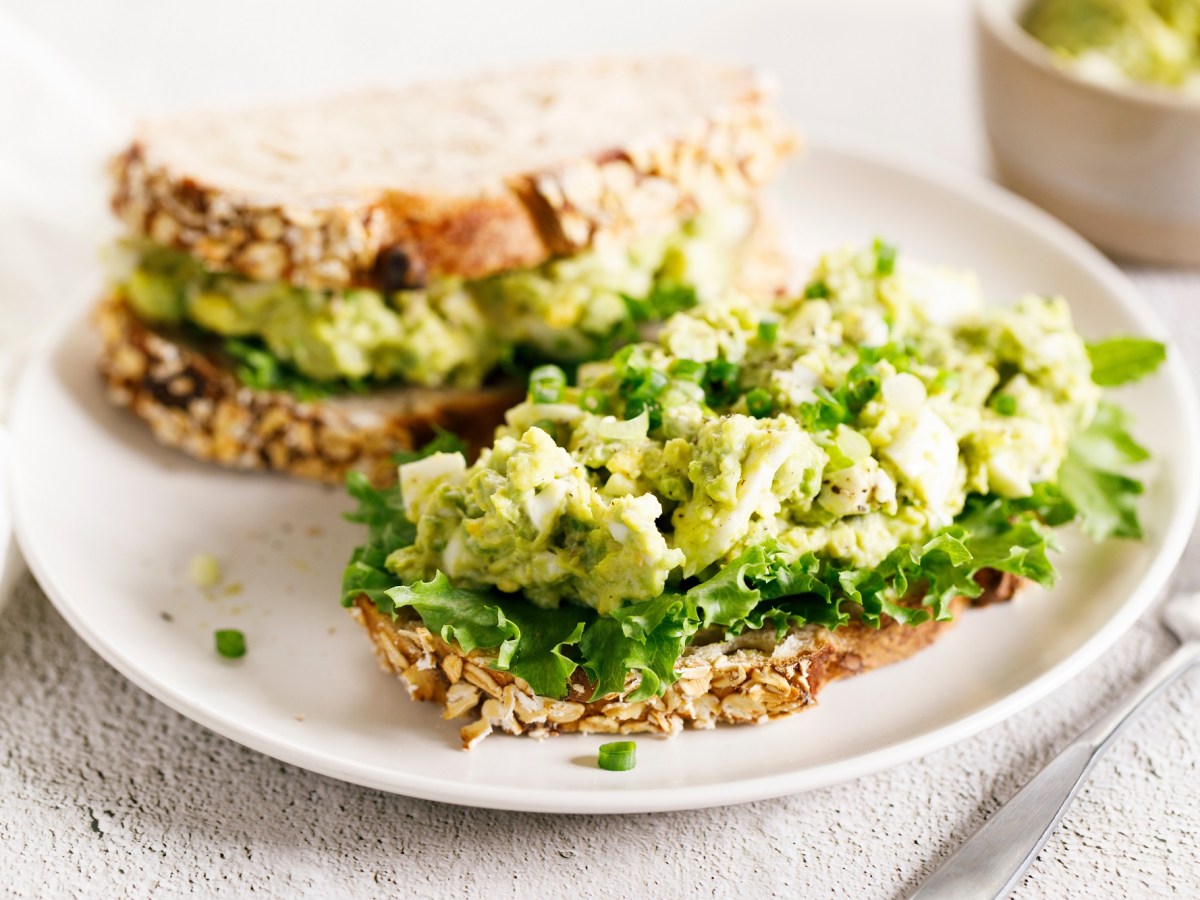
108 521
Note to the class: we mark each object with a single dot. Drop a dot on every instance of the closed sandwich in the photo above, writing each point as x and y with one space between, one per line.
311 287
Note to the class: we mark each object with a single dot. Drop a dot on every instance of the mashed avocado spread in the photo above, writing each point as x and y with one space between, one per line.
1152 41
452 332
863 449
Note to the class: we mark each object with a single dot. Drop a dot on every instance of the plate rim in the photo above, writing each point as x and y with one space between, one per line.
981 194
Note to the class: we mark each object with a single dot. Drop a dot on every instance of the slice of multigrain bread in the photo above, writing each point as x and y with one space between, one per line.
471 177
750 679
192 400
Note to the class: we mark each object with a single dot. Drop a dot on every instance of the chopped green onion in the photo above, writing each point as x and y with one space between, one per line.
721 381
826 412
885 258
760 404
768 330
593 400
643 384
618 756
1005 404
689 370
653 384
629 359
635 406
231 643
546 384
818 290
852 445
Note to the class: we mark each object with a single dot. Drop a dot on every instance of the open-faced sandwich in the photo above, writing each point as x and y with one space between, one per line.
710 526
311 288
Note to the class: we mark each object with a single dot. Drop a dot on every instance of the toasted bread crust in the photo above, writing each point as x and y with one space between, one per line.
349 237
751 679
194 403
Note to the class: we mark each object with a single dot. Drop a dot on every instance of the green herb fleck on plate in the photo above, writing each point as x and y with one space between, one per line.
618 756
231 643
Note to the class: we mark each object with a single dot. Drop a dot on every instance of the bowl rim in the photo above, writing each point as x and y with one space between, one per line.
999 17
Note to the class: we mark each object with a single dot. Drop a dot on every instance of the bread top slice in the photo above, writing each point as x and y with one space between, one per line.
389 187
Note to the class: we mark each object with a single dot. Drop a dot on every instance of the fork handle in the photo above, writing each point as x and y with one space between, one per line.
992 860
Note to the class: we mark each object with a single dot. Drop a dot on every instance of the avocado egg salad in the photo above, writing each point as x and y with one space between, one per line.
1155 42
704 527
449 331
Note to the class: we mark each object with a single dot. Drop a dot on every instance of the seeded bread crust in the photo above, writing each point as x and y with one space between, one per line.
749 680
231 188
193 402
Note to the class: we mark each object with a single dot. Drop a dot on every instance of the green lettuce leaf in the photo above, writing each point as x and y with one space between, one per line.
803 593
801 610
388 528
758 588
1046 502
731 594
646 637
1012 537
1107 443
382 511
258 368
995 533
543 639
803 577
530 642
366 574
468 618
1104 500
1123 359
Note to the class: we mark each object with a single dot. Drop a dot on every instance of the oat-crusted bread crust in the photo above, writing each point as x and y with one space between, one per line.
467 177
193 402
751 679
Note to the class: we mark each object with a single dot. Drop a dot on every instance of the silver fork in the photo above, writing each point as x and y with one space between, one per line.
992 860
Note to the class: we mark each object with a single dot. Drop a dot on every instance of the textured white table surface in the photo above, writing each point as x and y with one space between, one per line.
105 792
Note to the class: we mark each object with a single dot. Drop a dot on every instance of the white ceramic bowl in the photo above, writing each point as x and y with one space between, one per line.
1119 164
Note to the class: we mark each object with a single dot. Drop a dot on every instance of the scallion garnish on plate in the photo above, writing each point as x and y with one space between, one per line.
231 643
618 756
